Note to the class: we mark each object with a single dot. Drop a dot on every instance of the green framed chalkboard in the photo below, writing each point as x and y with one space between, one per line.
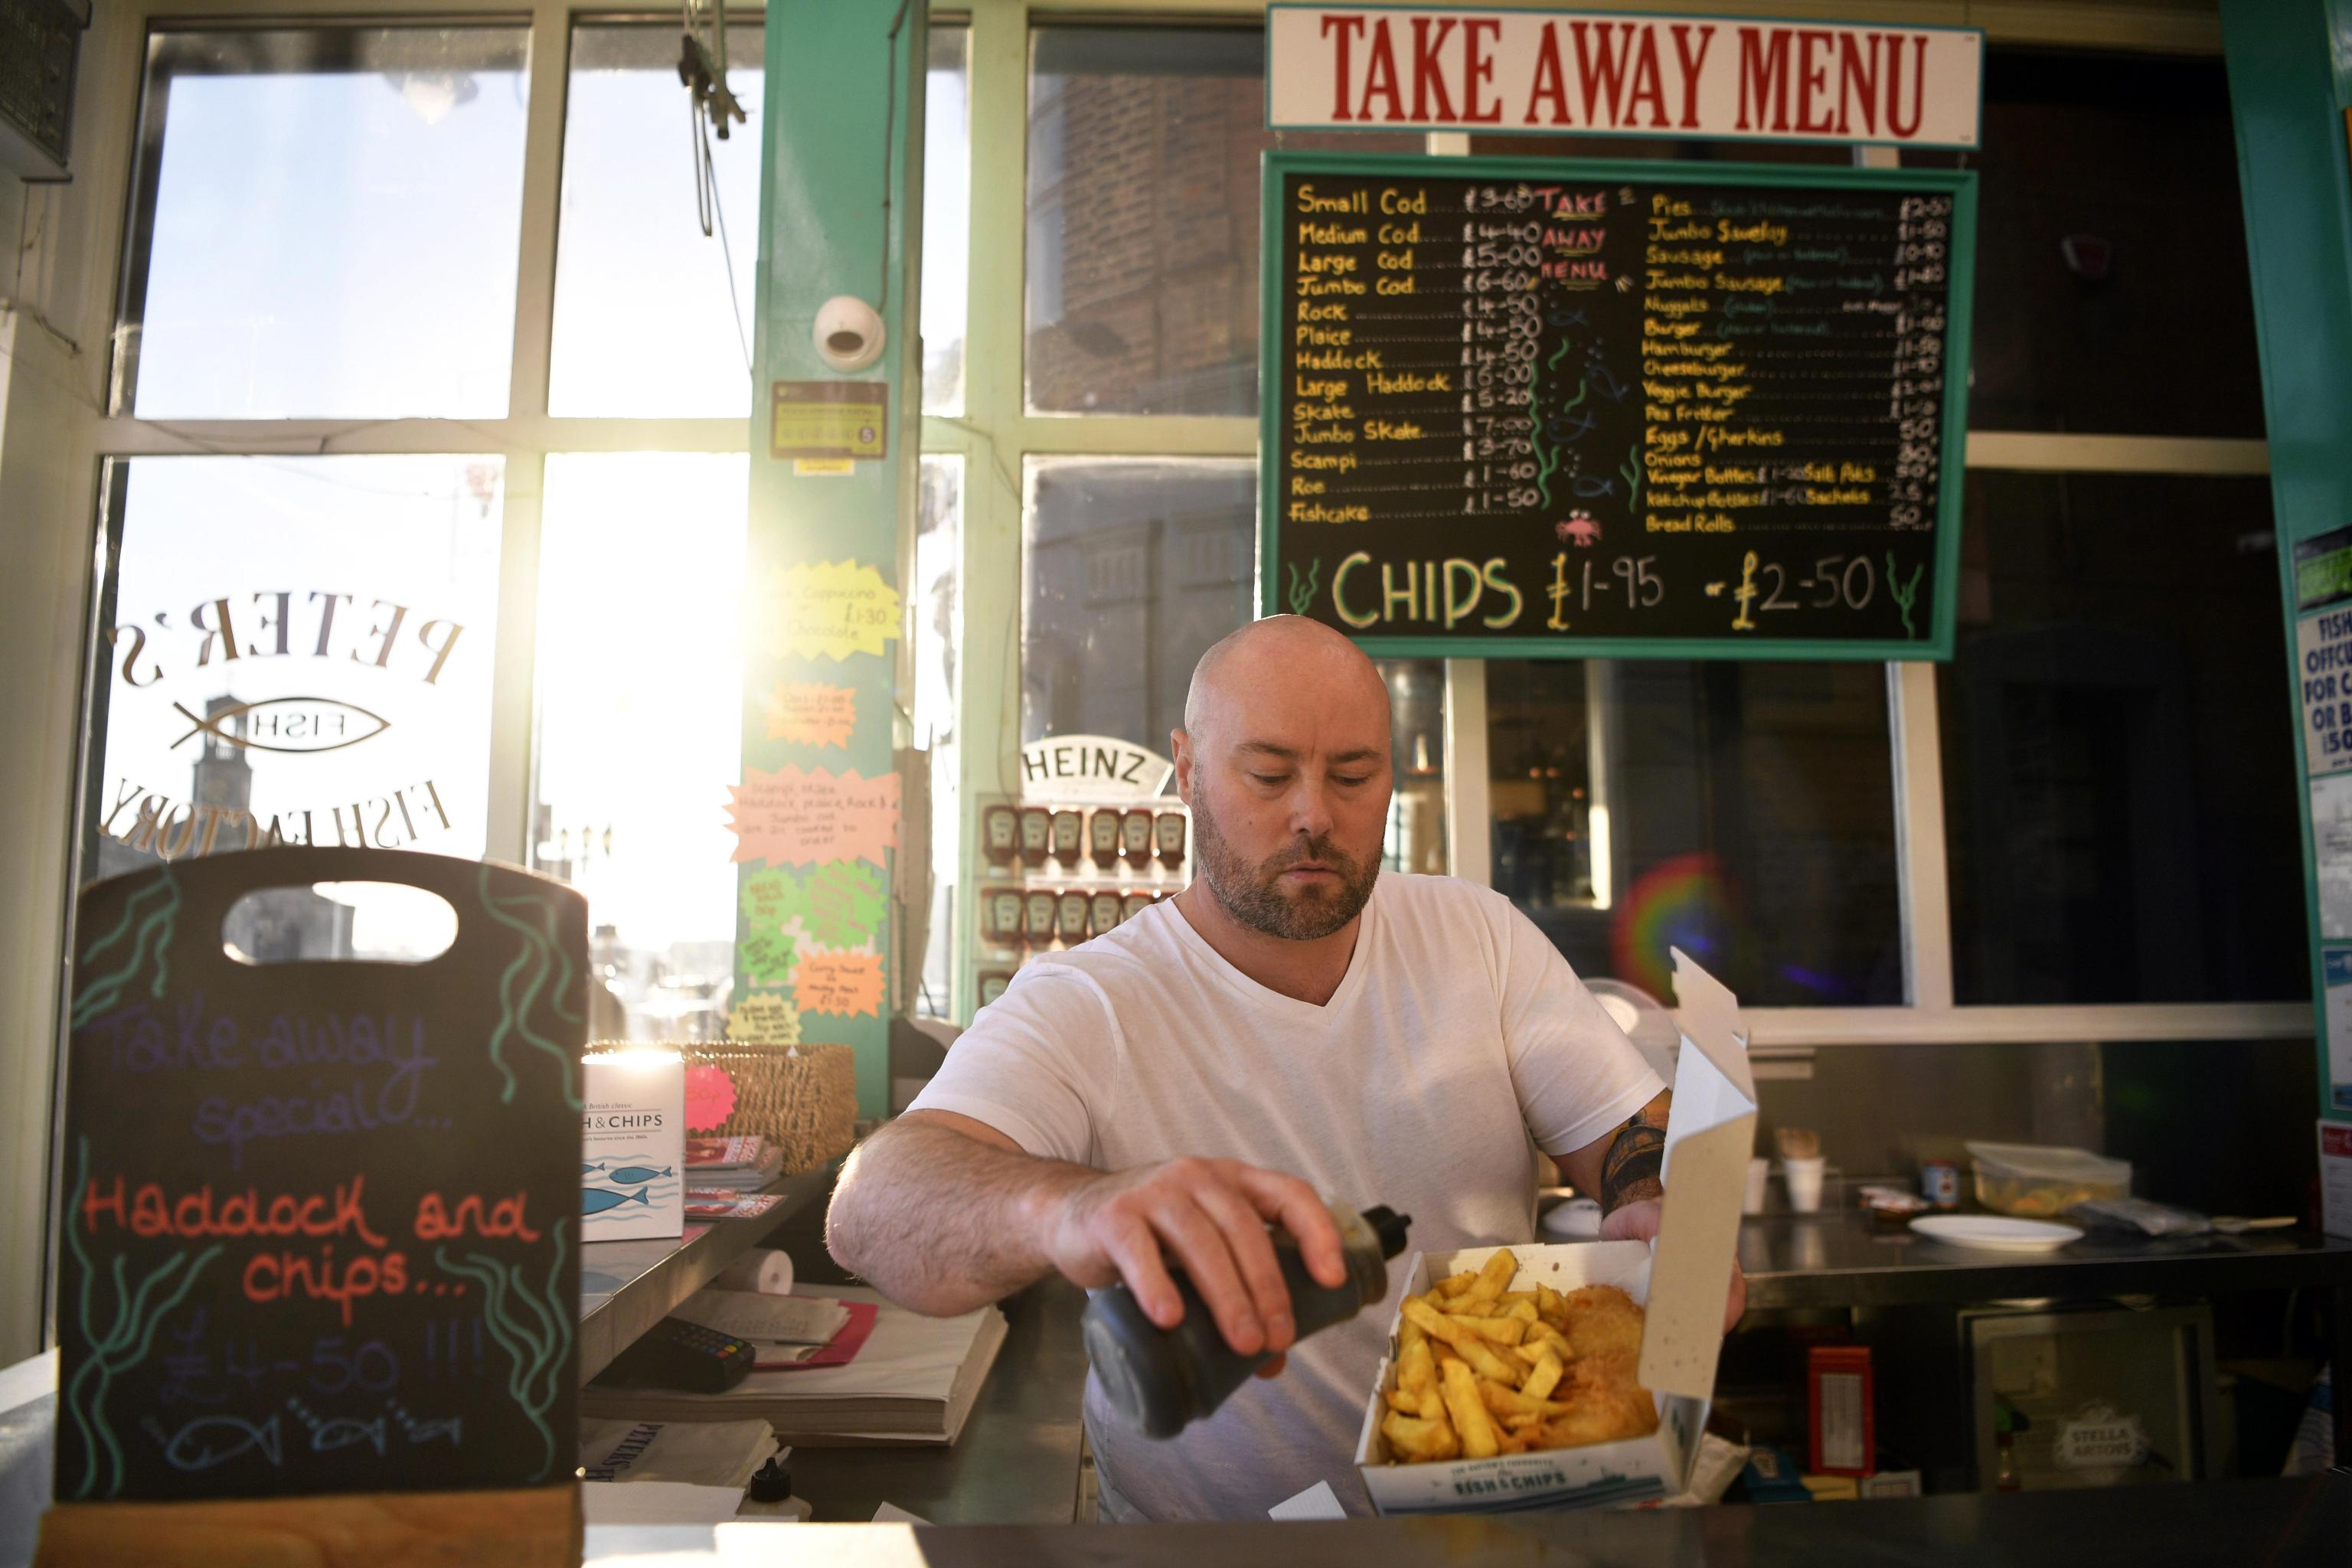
320 1220
1525 408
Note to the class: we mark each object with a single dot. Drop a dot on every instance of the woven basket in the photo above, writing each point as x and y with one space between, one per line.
802 1098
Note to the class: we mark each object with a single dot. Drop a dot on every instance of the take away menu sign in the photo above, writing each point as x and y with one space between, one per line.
322 1220
1526 410
1602 73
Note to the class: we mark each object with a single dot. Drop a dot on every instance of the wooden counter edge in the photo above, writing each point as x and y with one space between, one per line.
535 1527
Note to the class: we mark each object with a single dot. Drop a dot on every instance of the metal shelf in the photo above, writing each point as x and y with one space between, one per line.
627 1287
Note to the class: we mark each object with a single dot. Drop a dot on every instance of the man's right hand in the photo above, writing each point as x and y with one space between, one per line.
1211 1215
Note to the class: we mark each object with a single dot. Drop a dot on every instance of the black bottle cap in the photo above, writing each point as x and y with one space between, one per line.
1389 1227
773 1483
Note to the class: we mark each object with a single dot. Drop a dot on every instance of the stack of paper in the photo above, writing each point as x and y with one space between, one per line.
658 1502
743 1164
914 1383
703 1453
784 1328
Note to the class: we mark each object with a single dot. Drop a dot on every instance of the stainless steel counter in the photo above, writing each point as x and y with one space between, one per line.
1836 1259
2285 1523
1017 1461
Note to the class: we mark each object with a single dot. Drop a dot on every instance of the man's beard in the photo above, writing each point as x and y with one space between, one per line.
1254 895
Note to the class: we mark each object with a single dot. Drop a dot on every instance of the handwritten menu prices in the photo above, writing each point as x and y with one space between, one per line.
321 1221
1610 408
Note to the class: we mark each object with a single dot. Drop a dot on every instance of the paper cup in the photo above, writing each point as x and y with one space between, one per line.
1804 1179
1760 1172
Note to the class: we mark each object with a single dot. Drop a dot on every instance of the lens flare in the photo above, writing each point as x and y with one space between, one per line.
1684 902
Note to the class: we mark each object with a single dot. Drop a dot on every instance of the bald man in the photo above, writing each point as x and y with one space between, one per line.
1292 1023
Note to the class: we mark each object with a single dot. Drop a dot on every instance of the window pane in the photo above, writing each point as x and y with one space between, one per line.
938 603
324 225
1133 568
640 726
2089 303
2119 789
947 216
1744 812
653 316
1143 217
1416 834
297 650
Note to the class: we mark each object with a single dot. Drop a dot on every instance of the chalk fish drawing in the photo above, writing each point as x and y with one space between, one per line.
596 1200
637 1175
343 1431
211 1440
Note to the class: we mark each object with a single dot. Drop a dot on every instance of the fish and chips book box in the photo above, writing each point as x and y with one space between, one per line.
632 1146
1684 1287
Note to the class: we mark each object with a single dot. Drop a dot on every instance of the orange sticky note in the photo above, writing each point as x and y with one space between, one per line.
809 714
796 817
840 983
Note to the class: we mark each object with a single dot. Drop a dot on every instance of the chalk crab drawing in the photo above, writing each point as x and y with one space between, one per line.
1580 529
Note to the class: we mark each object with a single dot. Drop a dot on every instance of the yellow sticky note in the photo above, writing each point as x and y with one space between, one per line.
764 1019
831 609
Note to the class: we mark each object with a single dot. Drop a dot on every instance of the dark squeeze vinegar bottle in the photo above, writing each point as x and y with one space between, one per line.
1158 1380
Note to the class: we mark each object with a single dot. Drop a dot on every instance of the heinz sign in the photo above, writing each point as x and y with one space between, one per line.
1374 68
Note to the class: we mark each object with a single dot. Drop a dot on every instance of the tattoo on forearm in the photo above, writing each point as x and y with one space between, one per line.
1629 1171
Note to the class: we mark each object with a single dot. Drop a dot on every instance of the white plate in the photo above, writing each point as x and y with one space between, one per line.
1993 1234
1579 1219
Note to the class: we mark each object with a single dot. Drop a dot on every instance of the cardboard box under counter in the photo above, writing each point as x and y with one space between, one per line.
1684 1286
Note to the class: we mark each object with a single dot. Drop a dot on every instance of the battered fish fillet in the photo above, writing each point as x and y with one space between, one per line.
1604 1331
1602 1322
1606 1404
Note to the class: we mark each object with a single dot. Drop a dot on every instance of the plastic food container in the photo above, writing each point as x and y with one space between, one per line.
2038 1182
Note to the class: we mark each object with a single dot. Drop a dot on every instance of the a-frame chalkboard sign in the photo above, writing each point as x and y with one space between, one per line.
319 1221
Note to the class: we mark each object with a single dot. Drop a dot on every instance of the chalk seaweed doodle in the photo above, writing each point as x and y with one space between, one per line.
534 1329
146 924
540 955
1302 591
118 1347
1905 592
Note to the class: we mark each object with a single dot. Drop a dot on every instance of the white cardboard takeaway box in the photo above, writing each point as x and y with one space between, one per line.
1684 1286
632 1145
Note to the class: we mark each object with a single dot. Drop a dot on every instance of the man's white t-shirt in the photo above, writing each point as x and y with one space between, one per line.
1459 1036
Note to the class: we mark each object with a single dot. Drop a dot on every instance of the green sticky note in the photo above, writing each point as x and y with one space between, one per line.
771 898
768 957
845 903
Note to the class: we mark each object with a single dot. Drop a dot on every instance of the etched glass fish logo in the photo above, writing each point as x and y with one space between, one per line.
293 725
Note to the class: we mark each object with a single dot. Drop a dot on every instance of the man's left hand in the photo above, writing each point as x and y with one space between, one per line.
1639 1222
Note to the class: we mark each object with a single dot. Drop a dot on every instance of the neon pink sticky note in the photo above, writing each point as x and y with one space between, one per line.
709 1096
